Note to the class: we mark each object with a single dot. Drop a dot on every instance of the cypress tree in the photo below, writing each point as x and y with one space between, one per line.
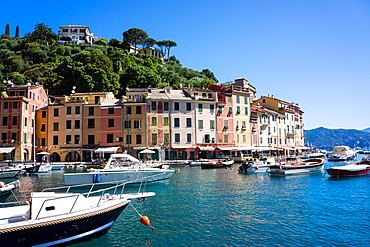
17 32
7 29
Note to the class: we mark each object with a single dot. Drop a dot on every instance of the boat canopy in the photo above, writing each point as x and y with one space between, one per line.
114 157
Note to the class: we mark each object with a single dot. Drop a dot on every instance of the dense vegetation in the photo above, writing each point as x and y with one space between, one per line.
104 66
328 138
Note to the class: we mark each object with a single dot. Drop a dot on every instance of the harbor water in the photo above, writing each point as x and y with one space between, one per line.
219 207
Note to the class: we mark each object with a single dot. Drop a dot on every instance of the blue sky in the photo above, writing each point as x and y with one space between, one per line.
312 52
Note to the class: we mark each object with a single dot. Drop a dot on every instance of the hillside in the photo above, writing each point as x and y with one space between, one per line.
328 138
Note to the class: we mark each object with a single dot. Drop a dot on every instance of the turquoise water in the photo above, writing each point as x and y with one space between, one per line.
219 207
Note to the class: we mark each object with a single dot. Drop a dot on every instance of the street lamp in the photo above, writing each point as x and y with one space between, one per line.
73 90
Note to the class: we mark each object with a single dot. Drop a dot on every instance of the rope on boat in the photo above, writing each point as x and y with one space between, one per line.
144 219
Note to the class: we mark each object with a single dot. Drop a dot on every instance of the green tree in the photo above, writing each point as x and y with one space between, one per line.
139 73
15 63
17 32
103 42
148 42
165 46
134 36
209 74
7 29
89 71
66 39
43 33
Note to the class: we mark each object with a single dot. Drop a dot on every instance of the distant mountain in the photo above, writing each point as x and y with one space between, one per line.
324 138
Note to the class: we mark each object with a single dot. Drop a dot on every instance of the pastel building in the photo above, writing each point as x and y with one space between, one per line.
80 127
205 102
288 123
159 122
135 138
18 105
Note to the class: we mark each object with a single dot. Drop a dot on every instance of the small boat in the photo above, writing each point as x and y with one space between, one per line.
216 163
6 172
6 189
342 153
355 169
62 215
297 167
44 167
256 165
121 167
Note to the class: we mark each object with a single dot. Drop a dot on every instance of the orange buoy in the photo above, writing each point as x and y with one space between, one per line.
145 220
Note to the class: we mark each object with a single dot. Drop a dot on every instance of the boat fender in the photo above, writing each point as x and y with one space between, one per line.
96 178
145 221
2 184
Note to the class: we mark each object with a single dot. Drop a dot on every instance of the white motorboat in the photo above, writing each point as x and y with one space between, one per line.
58 216
342 153
121 167
256 165
297 167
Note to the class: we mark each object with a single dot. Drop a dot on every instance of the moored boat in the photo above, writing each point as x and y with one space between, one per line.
216 163
355 169
121 167
342 153
57 216
6 172
297 167
6 189
256 165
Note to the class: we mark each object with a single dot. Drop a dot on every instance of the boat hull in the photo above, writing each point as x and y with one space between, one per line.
334 172
309 166
113 177
216 165
9 174
62 231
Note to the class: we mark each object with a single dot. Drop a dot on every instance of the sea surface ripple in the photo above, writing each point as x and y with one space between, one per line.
219 207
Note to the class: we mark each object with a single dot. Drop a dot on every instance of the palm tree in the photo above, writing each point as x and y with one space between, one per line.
43 32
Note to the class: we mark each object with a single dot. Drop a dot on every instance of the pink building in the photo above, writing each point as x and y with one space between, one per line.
18 105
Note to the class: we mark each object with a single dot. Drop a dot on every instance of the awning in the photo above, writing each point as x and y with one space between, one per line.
235 148
6 150
182 147
106 150
70 149
246 148
206 148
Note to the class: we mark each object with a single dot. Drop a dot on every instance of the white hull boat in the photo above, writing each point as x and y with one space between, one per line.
120 167
306 166
256 165
57 216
